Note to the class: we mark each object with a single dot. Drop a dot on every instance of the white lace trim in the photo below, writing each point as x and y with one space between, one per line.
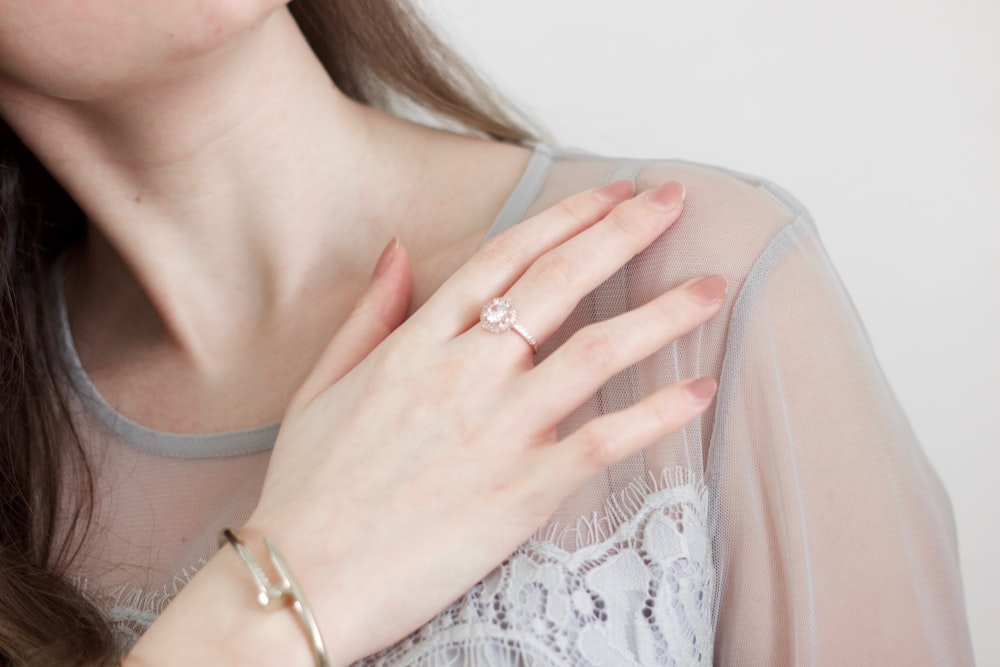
641 595
131 609
631 586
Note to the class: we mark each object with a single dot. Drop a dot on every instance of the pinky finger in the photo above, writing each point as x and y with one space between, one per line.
615 436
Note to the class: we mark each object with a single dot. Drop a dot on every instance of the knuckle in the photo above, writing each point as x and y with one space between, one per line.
598 445
662 415
594 347
502 250
394 356
384 364
573 209
681 313
360 314
626 220
672 313
555 271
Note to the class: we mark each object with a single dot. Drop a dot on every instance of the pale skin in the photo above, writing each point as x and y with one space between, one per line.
237 204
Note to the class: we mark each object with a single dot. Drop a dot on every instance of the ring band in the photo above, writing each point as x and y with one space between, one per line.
499 315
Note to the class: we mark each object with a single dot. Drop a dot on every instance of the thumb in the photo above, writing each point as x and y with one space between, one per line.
381 308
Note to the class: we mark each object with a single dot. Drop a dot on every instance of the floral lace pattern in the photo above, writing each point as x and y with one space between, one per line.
637 595
640 597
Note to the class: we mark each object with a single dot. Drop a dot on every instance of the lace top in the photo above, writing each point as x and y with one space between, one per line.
796 522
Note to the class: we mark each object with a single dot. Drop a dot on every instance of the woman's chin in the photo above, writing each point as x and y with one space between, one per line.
99 53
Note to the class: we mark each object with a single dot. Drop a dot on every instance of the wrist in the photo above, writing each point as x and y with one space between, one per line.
322 576
278 589
217 620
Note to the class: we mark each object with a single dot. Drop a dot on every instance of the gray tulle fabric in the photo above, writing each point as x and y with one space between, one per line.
798 522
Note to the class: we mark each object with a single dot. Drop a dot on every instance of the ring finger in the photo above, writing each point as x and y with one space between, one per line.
555 283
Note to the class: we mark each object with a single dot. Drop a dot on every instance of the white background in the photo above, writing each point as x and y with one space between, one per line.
882 116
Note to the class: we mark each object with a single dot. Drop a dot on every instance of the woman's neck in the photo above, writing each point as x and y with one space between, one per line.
219 193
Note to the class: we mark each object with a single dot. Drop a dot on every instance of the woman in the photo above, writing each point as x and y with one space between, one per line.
235 202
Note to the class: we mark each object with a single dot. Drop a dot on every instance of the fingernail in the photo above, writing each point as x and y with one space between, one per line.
385 259
667 197
617 191
709 290
700 390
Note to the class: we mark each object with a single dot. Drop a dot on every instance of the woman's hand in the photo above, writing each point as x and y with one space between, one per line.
405 471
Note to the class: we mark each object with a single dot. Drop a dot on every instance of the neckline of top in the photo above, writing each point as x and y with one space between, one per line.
261 438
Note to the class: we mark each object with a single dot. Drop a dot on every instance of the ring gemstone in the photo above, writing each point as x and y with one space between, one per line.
498 315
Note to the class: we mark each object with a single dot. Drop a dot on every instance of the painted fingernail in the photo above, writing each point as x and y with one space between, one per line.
667 197
700 390
709 290
617 191
385 259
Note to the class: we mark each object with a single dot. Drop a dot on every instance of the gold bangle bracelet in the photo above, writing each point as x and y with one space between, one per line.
286 593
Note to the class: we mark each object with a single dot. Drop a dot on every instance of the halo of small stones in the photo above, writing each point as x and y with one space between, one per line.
498 315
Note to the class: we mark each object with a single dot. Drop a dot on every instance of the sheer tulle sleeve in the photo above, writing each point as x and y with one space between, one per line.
833 538
798 522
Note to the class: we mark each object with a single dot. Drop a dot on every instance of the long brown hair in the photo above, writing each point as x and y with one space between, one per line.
378 52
